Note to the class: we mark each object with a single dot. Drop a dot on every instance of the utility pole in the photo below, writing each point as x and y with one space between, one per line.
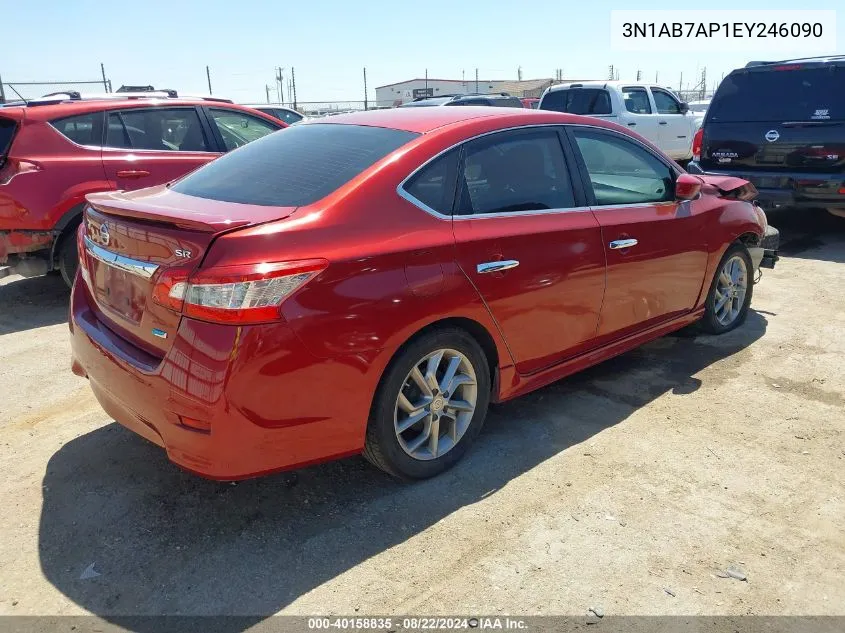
365 88
293 82
208 76
280 92
639 75
267 92
519 74
426 81
681 82
476 81
610 72
464 79
655 76
105 81
2 93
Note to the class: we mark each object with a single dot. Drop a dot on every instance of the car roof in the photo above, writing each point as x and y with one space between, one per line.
598 83
424 120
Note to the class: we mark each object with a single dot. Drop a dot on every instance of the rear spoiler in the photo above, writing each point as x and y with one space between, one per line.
731 187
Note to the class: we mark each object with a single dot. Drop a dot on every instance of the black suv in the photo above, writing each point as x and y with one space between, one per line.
781 125
495 100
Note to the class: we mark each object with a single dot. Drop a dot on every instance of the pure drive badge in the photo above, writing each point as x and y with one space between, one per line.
772 136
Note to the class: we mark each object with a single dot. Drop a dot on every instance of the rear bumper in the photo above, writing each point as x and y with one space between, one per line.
797 190
24 243
270 404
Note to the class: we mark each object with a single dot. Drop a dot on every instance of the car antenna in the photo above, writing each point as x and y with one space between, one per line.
19 94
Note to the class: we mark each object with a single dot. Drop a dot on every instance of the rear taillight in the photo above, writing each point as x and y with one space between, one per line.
696 144
235 294
14 167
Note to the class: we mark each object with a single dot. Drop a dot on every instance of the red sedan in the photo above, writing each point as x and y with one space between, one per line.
369 283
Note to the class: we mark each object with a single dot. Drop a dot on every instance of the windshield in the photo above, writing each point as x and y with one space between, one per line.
793 94
295 166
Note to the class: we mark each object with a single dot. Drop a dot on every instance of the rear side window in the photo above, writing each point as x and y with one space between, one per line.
161 129
7 131
794 94
239 128
288 117
297 166
636 100
586 101
83 129
434 184
515 171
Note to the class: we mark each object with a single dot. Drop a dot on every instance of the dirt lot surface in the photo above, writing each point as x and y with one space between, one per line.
629 487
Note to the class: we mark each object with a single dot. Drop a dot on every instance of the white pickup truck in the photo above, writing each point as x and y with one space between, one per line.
650 110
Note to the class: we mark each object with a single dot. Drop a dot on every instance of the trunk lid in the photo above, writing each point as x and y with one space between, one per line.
131 239
778 118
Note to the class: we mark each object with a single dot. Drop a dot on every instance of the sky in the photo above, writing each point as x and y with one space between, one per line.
329 42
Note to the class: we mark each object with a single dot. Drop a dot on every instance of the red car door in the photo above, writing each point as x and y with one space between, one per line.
655 246
153 145
530 247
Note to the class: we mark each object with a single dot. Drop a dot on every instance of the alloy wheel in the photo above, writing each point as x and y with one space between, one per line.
435 405
731 288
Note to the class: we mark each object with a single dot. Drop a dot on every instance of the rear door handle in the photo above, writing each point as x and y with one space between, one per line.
632 125
133 173
495 267
617 244
663 123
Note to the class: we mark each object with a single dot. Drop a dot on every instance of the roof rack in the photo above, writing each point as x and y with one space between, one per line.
73 95
798 59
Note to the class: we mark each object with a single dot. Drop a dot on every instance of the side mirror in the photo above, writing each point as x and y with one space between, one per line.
687 187
684 107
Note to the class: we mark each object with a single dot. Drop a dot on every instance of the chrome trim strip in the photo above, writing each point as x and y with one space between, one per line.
134 266
400 188
495 267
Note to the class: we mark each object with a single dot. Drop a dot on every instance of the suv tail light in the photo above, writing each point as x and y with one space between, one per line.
697 141
235 294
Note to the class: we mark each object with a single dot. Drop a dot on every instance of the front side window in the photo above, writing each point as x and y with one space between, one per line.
239 128
159 129
636 100
514 171
666 103
622 172
587 101
298 166
434 184
83 129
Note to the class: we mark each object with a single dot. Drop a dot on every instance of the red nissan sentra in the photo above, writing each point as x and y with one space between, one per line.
369 283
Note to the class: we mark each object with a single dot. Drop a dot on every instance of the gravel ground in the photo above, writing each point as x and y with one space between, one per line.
630 487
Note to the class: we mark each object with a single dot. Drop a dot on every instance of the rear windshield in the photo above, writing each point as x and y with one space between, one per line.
577 101
7 131
804 94
295 166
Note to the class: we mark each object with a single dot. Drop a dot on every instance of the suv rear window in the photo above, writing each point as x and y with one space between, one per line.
295 166
578 101
803 94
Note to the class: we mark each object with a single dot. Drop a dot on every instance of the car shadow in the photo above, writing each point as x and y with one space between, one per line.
125 533
33 302
810 234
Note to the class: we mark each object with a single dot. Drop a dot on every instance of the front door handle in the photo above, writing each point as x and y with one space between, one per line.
496 267
133 173
632 125
617 244
663 123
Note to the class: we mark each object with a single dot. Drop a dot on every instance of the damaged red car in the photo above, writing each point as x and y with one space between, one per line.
369 283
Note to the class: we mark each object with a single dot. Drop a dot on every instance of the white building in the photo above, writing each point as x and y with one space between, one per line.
405 91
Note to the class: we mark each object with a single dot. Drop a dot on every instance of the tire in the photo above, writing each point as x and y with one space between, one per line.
391 449
839 213
67 256
716 320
